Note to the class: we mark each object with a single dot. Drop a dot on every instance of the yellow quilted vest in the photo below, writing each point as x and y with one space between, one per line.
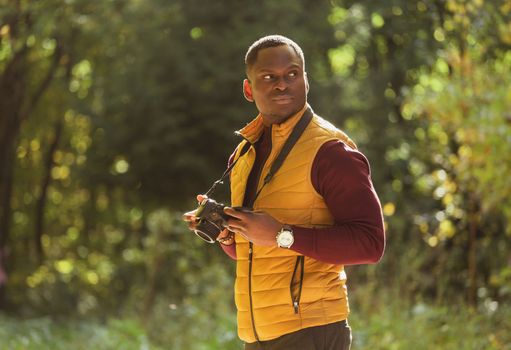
278 291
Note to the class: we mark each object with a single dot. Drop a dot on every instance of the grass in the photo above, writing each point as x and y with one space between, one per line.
383 327
43 333
424 327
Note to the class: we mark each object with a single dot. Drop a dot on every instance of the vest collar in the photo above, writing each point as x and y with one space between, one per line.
253 130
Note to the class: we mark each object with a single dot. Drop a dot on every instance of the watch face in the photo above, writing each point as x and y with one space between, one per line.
285 239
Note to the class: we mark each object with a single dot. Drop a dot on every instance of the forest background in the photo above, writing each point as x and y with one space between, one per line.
115 114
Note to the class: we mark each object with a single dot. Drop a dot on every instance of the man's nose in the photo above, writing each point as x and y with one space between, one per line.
281 84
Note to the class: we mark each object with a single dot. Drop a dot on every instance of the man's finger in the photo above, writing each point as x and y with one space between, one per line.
236 225
238 230
189 213
223 233
234 213
188 216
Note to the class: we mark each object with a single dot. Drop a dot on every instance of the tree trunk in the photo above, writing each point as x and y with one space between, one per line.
89 216
16 105
152 280
6 184
12 91
41 201
472 253
157 258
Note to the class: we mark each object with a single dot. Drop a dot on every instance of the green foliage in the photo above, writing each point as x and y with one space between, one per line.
205 319
425 86
392 324
115 114
176 80
385 324
462 107
467 131
43 333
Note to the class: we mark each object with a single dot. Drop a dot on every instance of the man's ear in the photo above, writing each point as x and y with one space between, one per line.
247 91
306 82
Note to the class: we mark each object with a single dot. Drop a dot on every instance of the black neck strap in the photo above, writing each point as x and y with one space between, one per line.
288 145
244 150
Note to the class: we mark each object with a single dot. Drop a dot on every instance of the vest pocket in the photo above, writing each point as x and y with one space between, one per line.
296 284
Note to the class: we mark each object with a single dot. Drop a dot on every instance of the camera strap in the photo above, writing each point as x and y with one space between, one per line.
288 145
244 150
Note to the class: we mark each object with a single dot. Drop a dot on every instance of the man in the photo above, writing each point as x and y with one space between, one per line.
317 213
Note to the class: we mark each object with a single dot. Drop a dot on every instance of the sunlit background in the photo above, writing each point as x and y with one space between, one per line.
115 114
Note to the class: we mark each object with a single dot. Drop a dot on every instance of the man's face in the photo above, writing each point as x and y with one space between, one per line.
277 83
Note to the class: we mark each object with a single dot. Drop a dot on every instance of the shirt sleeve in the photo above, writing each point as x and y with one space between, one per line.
342 177
229 250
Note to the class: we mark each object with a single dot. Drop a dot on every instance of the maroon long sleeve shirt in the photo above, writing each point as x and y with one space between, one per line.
342 177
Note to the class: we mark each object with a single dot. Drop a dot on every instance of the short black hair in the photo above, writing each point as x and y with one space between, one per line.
270 41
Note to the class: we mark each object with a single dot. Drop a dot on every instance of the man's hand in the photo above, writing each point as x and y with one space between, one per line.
191 220
256 226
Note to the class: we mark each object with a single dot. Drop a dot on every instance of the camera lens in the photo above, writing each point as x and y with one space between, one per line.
207 231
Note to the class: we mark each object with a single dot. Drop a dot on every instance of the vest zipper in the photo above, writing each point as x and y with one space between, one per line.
250 250
296 299
251 246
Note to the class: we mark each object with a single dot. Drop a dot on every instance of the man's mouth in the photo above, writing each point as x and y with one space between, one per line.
283 100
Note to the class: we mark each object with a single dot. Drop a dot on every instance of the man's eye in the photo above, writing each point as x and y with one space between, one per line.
267 77
292 74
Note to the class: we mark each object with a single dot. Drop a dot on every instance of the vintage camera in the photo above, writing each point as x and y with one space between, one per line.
211 220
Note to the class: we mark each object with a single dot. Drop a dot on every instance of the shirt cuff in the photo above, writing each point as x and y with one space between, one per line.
304 240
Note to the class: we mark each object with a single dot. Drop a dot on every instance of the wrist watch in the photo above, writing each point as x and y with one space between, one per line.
285 237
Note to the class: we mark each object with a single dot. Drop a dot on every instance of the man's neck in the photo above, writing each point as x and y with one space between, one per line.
269 120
